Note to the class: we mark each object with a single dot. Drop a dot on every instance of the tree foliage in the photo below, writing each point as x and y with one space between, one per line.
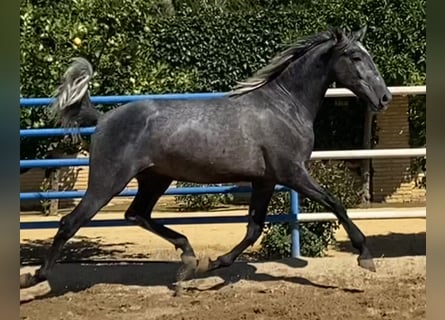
161 46
155 46
417 126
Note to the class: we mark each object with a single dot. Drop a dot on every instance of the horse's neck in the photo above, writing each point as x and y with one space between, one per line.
305 83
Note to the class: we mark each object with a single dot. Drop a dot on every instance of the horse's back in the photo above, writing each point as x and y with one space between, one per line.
189 140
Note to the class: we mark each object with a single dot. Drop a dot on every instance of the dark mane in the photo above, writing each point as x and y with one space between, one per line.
283 59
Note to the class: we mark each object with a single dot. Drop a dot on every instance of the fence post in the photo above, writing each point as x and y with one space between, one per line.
366 163
54 186
294 210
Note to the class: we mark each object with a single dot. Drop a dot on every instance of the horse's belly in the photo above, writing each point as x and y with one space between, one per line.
207 169
194 152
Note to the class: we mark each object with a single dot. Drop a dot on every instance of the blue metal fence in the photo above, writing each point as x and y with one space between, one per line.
291 217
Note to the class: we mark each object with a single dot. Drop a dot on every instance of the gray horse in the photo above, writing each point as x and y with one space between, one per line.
262 133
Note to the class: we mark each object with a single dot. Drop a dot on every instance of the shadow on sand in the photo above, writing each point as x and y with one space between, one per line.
85 273
392 245
75 277
81 275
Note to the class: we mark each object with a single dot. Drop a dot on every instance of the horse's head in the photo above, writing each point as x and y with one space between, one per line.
355 69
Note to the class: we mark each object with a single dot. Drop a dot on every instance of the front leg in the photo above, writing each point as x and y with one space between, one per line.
261 194
304 184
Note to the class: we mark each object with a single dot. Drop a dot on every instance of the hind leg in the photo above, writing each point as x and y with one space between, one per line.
96 196
151 187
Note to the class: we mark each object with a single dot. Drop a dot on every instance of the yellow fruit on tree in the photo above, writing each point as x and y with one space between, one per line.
77 41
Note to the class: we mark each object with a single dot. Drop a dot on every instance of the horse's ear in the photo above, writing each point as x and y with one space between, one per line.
360 34
338 33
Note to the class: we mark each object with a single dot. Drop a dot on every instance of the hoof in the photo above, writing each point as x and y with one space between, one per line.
178 290
367 264
188 268
190 261
203 265
26 280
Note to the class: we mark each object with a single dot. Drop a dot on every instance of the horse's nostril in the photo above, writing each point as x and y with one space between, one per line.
385 99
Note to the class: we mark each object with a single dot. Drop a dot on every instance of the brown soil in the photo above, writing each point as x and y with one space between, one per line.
310 288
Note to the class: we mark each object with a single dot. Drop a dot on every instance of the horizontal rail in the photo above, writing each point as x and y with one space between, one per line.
54 163
132 192
331 93
369 153
39 102
166 221
302 217
327 216
397 91
316 155
56 132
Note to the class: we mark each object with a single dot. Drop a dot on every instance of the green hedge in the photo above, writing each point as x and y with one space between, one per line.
315 237
136 47
201 202
142 46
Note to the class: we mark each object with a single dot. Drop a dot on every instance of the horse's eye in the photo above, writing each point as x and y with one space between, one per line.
356 58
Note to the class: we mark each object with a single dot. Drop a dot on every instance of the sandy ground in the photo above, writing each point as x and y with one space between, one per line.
134 280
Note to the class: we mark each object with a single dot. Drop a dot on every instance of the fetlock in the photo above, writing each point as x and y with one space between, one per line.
130 215
225 261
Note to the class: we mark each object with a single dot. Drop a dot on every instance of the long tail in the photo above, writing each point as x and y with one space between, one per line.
72 106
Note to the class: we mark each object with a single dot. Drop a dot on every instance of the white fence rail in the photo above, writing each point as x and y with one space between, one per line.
363 215
366 154
372 153
401 91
